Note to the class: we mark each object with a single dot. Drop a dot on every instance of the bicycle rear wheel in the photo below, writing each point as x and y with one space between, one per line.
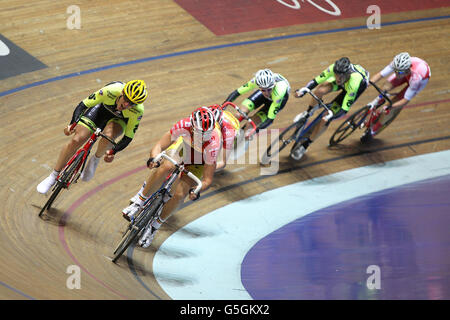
136 227
286 137
349 125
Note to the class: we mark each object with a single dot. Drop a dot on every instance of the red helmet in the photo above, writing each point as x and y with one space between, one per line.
202 119
217 112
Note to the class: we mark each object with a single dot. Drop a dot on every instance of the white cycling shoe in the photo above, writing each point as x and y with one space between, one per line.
89 170
131 211
299 116
298 153
46 184
146 240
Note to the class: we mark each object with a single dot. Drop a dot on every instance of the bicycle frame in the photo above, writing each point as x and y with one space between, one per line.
170 179
86 150
70 173
305 128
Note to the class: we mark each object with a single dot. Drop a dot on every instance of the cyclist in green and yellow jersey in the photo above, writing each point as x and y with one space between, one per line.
272 93
116 108
352 79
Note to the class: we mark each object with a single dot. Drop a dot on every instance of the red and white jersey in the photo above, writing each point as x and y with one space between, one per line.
417 79
229 130
209 149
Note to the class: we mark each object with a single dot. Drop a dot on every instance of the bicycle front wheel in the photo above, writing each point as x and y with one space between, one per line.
285 138
52 198
349 125
62 183
136 227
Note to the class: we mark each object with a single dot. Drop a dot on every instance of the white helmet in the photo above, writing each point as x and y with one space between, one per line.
265 79
402 61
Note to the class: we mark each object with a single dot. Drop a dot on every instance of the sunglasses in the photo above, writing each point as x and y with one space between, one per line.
128 101
401 71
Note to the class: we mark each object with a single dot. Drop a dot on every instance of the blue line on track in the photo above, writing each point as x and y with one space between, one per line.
16 291
187 52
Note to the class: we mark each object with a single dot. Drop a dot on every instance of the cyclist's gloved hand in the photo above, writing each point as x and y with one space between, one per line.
301 92
192 195
70 129
151 164
109 156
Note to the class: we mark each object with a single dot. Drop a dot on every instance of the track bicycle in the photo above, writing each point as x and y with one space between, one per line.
74 167
298 131
363 118
153 206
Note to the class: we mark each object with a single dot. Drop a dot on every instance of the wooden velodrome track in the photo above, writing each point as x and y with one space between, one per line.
86 223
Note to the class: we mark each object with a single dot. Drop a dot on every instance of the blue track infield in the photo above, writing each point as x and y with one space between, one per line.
210 265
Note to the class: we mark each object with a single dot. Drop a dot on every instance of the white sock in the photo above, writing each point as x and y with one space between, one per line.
141 199
54 173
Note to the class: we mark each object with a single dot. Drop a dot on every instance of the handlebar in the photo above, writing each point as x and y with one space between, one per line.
323 105
181 167
246 117
97 132
384 94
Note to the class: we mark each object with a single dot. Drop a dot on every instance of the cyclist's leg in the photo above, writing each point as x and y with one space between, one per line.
80 136
181 190
114 128
157 176
320 92
221 159
68 150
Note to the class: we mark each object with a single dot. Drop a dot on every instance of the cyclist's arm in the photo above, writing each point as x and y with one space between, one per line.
131 128
208 175
79 110
383 73
351 91
162 144
241 90
322 77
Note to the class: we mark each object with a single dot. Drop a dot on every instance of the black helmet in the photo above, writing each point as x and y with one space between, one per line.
342 66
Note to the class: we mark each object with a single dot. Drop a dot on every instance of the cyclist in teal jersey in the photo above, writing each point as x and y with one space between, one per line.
352 79
116 108
272 93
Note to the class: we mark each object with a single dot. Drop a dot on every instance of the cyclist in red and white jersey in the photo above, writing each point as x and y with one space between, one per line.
195 140
404 69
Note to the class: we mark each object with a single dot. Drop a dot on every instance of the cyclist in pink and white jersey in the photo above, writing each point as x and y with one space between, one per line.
413 71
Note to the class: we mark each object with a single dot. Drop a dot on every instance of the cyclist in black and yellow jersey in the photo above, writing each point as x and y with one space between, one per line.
352 79
272 93
116 108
